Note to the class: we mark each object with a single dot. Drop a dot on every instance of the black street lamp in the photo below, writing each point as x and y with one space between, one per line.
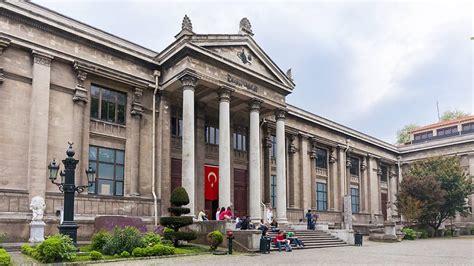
68 187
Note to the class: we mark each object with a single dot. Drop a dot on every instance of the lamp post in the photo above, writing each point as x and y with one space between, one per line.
68 187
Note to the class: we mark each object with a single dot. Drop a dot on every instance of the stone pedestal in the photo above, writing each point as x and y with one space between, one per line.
390 231
37 231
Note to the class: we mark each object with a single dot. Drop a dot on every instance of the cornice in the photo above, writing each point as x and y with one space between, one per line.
25 15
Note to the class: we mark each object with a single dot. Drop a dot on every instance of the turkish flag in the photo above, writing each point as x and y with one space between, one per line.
211 182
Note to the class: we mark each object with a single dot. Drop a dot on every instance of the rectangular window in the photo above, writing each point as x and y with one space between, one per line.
273 191
468 127
355 200
321 196
176 127
354 170
109 167
321 158
274 146
211 135
423 136
108 105
446 132
240 142
384 176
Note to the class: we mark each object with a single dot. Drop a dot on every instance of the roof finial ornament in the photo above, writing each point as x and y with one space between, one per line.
186 27
245 27
289 74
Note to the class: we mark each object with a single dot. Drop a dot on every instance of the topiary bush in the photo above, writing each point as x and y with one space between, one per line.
123 239
99 240
27 249
179 197
138 252
55 248
151 239
125 254
214 239
410 234
96 255
5 258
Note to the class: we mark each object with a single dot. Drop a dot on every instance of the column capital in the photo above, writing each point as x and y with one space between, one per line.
80 94
224 93
42 58
255 104
348 162
363 165
188 80
137 107
280 114
332 155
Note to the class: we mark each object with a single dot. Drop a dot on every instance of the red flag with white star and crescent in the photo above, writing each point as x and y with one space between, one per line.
211 182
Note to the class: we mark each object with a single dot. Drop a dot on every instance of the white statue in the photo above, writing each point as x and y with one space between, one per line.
389 211
37 206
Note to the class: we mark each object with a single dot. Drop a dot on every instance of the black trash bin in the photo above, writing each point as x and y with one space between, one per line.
358 239
265 242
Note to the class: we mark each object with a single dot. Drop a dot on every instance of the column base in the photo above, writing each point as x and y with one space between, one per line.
282 220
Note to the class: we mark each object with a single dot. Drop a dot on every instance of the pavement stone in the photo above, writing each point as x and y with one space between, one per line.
444 251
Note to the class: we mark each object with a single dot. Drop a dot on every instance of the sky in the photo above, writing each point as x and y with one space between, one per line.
373 66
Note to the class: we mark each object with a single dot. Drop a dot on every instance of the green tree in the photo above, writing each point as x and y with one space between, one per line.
434 190
403 135
179 198
452 115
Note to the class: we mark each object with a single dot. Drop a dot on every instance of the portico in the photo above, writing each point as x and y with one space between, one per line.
237 90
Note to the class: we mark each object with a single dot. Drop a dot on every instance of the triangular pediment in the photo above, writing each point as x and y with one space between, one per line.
244 56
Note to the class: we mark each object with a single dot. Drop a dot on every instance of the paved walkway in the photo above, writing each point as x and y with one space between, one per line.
452 251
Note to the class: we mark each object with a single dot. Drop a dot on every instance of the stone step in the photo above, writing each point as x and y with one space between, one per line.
316 246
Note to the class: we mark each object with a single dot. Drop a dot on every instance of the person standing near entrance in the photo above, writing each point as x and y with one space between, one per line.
269 215
309 220
219 212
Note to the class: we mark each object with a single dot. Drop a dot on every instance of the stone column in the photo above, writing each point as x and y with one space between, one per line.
254 161
188 164
393 191
224 148
267 144
341 184
305 172
80 100
136 112
362 186
292 171
281 166
312 156
333 191
39 123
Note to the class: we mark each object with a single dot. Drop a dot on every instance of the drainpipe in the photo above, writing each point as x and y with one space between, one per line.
153 145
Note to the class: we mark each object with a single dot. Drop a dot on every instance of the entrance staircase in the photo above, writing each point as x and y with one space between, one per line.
312 239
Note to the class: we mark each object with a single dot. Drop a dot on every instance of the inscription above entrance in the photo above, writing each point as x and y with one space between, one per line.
241 83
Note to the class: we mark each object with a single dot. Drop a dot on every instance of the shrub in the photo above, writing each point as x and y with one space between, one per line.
151 239
96 255
214 239
410 234
3 236
55 248
424 233
123 239
125 254
179 197
138 252
27 249
167 242
99 240
5 258
472 229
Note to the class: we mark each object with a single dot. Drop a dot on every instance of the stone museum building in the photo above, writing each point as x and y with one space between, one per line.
208 113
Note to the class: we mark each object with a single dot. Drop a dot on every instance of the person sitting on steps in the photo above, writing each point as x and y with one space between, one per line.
293 239
280 240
